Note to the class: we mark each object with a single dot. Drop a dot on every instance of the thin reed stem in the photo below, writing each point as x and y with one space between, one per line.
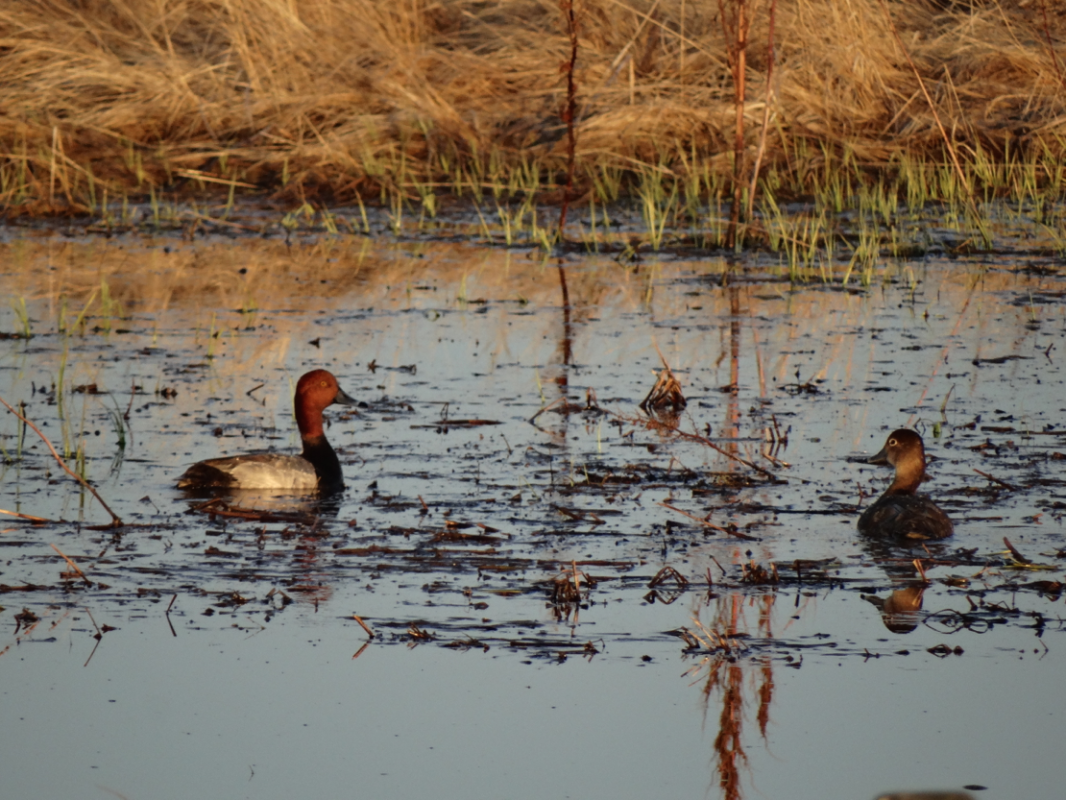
766 110
569 113
116 521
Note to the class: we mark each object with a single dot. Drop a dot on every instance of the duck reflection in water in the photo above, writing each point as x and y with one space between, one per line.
901 514
899 611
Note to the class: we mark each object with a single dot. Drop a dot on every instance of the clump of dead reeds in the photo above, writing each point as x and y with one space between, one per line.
569 587
387 101
666 394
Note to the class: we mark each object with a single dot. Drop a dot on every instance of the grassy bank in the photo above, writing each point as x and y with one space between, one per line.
329 100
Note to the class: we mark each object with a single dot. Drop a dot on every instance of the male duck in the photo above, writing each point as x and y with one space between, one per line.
901 513
316 469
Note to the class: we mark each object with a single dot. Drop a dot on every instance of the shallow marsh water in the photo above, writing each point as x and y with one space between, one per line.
482 473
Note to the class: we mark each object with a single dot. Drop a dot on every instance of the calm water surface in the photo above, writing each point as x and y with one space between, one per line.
227 666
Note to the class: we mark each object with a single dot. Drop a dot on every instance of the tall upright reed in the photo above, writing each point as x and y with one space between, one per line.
569 111
736 25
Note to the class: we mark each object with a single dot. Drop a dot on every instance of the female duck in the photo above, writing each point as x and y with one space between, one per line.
901 513
316 469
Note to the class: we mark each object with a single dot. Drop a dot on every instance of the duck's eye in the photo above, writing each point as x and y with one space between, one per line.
892 442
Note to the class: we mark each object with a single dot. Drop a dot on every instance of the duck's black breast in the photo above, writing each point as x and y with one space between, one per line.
327 466
905 516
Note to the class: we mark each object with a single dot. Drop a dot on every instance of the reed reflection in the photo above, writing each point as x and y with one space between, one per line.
736 688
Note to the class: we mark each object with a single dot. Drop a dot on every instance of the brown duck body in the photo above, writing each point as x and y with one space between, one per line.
901 513
905 516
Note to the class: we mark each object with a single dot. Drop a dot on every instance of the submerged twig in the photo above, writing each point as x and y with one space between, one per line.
1004 484
1015 553
711 525
668 573
28 517
73 566
695 437
363 625
166 613
116 521
129 407
550 405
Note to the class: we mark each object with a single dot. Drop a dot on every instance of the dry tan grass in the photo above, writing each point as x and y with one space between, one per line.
338 97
